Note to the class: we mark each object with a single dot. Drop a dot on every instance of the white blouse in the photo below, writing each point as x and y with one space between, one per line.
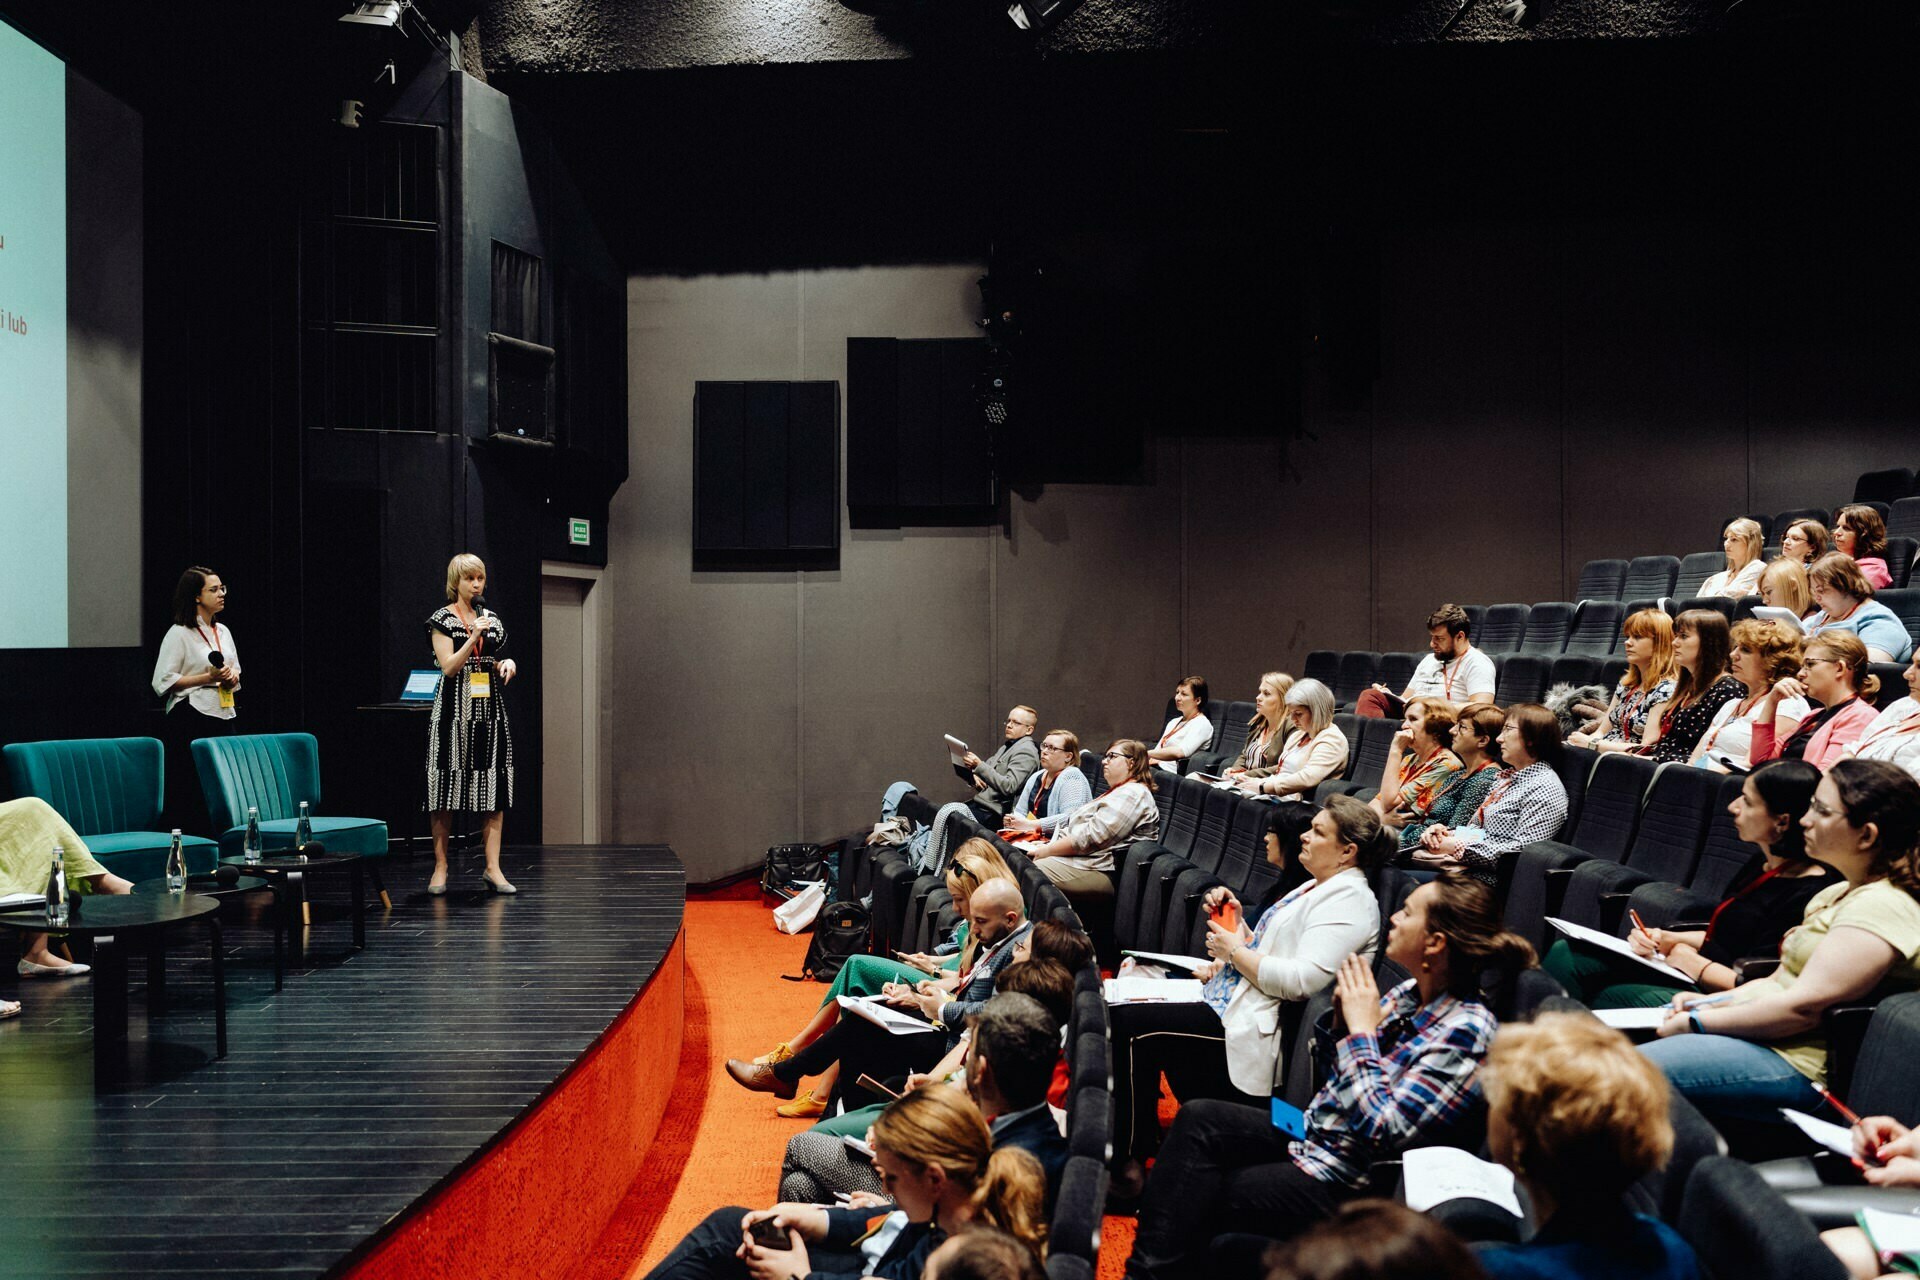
1184 738
183 652
1894 736
1731 734
1744 583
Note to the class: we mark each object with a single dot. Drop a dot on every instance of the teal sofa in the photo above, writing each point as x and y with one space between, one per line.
109 790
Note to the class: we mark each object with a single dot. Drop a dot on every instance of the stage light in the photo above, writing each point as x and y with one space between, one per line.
375 13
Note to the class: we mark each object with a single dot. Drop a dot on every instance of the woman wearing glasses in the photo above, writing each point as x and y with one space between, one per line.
1085 846
198 674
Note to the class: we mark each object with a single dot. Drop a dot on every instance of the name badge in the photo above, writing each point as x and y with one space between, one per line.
479 684
226 698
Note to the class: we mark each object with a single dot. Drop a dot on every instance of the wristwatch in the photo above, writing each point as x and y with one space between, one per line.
1693 1021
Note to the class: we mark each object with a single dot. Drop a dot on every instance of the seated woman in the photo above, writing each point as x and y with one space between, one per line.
1267 731
1228 1045
1860 532
1378 1240
1314 752
1701 642
1743 543
1768 898
1764 653
1894 734
1476 744
972 864
935 1156
1403 1066
1580 1117
1188 731
1052 792
30 828
1759 1047
1833 673
1082 849
1646 683
1888 1154
1804 541
1783 585
1528 801
1847 604
1419 764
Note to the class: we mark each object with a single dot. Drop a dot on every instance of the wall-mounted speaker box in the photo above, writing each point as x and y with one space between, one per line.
519 390
766 466
918 449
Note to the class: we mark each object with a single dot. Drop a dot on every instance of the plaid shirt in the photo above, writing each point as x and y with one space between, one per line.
1417 1071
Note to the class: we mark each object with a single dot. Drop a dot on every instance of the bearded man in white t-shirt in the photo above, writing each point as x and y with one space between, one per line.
1454 670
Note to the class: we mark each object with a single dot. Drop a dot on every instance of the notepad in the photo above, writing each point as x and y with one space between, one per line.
1836 1138
1153 990
1894 1236
1635 1019
885 1016
1607 942
1185 963
1434 1175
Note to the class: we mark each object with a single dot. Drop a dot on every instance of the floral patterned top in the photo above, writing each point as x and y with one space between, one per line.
1627 716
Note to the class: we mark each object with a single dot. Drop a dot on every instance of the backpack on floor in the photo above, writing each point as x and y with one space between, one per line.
789 867
839 934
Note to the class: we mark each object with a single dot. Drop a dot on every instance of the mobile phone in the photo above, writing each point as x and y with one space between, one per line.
874 1086
1289 1119
765 1233
1228 914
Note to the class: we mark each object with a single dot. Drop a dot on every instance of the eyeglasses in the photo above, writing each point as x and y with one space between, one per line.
219 590
1116 755
1048 746
1808 662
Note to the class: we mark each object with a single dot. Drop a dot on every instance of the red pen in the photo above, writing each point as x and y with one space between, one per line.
1841 1107
1638 923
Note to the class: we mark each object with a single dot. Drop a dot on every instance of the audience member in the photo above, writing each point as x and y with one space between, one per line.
1580 1117
1453 671
1894 735
1701 642
1858 531
1528 801
1083 847
1834 673
972 864
1316 751
1228 1045
1847 604
1419 764
1054 790
30 829
1784 586
936 1159
1764 653
1804 542
1647 638
1743 544
1189 730
1054 940
998 778
1374 1240
982 1253
1403 1068
1765 900
1476 744
1888 1153
1760 1047
1267 731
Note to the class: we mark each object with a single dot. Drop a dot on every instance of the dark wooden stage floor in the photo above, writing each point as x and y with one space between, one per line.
344 1097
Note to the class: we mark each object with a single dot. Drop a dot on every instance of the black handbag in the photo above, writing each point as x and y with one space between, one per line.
790 865
839 934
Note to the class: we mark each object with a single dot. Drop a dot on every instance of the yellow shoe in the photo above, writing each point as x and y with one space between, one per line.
781 1052
804 1107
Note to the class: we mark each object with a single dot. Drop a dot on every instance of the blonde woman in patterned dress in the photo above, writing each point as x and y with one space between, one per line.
469 746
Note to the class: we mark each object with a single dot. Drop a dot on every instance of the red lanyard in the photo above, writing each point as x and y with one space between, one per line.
1039 797
1905 726
473 629
1714 919
1176 727
1500 789
213 645
1446 677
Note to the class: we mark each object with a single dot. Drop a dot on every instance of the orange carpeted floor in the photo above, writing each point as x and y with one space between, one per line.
719 1144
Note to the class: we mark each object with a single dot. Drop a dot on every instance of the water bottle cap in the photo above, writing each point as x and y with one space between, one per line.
176 831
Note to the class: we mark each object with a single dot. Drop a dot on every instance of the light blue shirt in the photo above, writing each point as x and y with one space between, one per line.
1877 626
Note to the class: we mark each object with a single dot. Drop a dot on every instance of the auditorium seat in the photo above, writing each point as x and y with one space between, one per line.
1076 1216
1695 569
1502 629
1522 677
1229 739
1576 767
1649 577
1884 509
1090 1127
1476 615
1612 667
1322 665
1574 669
1357 671
1905 520
1096 776
1887 485
1723 855
1785 518
1596 626
1172 876
1740 1227
1765 523
1899 556
1905 603
1182 799
1743 607
1548 626
1066 1266
1893 682
1609 817
1633 607
110 791
1366 758
1673 826
1349 725
1722 605
1396 669
1601 580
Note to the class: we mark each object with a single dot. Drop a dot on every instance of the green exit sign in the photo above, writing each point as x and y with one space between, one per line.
579 533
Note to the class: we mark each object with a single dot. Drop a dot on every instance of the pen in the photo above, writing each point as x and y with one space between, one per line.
1638 923
1841 1107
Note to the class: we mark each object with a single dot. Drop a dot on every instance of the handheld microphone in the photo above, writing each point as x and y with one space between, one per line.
226 875
215 660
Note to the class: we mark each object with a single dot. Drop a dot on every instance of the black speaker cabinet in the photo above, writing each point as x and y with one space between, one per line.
918 450
766 467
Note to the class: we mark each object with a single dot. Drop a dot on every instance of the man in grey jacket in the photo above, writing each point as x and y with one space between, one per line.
997 779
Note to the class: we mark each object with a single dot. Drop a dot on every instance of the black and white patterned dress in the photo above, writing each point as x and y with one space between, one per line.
469 746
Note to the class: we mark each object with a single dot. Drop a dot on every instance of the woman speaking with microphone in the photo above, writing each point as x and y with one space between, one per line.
469 747
198 673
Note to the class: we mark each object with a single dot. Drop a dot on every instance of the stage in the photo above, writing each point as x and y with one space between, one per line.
470 1095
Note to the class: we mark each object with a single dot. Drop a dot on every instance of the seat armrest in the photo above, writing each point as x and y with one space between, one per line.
1845 1027
1751 967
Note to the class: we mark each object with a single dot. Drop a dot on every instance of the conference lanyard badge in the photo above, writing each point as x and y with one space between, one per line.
479 684
226 698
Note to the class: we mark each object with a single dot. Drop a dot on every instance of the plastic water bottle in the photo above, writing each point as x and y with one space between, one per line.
250 850
57 888
303 832
176 865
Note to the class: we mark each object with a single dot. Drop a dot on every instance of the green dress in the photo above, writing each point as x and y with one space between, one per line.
865 975
29 828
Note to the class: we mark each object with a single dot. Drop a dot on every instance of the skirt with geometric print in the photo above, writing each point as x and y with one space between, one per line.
469 745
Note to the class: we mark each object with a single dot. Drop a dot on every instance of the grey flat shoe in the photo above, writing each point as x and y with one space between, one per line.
502 885
28 969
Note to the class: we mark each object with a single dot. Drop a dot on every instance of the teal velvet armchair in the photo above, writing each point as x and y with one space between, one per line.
109 790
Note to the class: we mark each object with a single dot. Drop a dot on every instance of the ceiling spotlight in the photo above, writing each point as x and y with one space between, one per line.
374 13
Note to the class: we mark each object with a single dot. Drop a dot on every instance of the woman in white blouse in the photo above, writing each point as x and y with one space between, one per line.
1228 1044
1188 731
198 675
1894 735
1742 542
1314 751
1764 653
1082 850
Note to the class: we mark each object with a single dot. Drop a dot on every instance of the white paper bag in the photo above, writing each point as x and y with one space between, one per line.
796 914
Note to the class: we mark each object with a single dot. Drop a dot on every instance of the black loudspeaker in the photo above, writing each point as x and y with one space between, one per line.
766 467
918 446
519 390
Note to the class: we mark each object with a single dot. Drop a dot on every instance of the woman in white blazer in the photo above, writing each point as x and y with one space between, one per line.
1228 1044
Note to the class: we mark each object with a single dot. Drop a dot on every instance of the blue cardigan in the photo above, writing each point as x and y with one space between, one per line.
1070 791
